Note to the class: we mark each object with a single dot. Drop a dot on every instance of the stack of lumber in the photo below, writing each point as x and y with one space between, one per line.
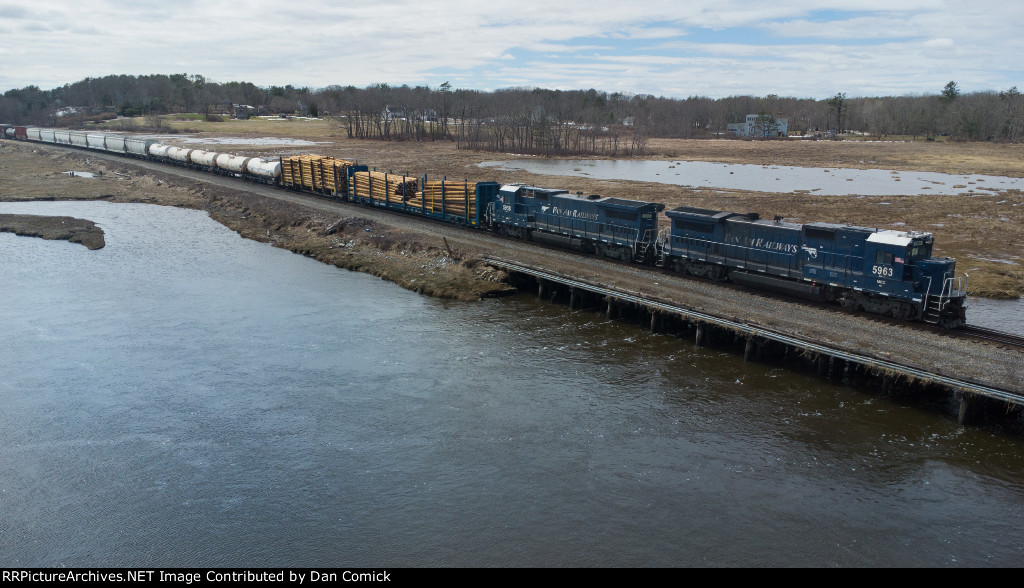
384 186
317 173
452 197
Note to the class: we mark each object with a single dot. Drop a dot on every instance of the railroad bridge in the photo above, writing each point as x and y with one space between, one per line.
994 378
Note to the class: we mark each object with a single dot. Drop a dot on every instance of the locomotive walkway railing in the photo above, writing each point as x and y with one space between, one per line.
957 384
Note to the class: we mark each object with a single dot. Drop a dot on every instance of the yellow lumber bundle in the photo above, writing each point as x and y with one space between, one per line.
384 186
456 197
317 173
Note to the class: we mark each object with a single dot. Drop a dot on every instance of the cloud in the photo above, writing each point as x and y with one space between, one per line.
711 47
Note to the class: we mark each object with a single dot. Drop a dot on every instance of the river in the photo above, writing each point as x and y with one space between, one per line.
184 397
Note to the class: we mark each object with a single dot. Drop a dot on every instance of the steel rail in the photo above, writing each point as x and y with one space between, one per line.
993 335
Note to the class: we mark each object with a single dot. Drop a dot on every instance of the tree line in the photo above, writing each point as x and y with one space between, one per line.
526 120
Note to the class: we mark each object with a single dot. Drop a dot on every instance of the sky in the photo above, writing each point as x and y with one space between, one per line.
713 48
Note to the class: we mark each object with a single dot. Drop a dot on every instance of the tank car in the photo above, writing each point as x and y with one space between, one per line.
264 170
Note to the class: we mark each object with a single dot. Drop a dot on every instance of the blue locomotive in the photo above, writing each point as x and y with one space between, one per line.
612 227
878 271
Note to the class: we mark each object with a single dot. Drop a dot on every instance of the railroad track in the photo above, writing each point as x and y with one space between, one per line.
985 334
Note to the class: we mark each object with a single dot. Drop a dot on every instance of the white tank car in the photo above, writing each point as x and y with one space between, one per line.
233 163
179 154
206 158
159 150
269 169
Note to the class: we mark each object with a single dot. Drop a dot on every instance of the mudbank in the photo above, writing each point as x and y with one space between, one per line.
67 228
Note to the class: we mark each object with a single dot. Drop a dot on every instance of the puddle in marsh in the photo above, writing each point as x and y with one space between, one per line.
262 141
775 178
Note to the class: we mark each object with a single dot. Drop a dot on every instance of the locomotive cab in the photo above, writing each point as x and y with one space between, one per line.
904 257
901 265
885 259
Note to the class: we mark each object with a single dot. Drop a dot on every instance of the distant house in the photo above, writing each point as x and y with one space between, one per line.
753 127
393 113
242 111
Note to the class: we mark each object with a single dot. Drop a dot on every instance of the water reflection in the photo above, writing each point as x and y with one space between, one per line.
1001 315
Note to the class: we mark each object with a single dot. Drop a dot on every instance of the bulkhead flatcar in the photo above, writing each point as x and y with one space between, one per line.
879 271
613 227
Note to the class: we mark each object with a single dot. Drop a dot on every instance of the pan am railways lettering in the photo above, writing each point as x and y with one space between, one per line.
757 243
590 216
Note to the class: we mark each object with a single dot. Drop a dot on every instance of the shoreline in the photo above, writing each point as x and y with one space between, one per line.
54 228
412 260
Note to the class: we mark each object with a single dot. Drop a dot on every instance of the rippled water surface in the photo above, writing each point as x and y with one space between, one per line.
1002 315
184 397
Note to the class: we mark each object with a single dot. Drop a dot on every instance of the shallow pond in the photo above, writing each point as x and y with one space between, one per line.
261 141
762 178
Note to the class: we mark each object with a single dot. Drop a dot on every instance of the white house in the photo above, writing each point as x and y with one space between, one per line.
750 127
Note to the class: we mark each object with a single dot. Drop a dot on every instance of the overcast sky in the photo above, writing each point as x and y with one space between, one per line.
714 48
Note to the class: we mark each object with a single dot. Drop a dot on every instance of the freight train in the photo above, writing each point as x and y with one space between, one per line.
873 270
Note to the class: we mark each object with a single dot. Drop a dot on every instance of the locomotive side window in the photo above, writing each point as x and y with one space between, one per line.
883 258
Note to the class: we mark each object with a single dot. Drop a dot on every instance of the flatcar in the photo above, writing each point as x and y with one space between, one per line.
878 271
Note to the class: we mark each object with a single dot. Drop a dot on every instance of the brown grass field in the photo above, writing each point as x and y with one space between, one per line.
984 232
